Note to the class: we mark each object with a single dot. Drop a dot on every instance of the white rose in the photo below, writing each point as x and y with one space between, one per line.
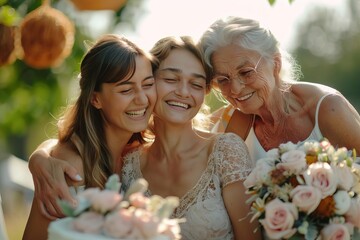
285 147
342 202
345 176
260 174
293 161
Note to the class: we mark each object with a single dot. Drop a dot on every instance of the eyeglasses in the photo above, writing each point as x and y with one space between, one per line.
245 75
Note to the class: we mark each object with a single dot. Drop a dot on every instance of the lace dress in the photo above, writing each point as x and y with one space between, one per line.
203 206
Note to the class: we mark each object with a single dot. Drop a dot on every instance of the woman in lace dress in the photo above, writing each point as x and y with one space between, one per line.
205 170
266 105
117 96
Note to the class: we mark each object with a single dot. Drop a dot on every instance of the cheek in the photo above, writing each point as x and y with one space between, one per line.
152 95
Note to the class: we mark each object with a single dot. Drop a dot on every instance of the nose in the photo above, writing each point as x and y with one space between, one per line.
236 86
182 89
141 98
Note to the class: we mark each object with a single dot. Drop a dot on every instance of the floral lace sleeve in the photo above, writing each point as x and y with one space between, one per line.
233 159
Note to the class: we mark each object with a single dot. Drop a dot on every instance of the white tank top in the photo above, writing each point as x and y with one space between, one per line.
257 151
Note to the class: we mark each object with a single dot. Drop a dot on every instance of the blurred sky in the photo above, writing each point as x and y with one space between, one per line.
160 18
191 17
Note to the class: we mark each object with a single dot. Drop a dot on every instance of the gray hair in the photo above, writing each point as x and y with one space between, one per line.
247 33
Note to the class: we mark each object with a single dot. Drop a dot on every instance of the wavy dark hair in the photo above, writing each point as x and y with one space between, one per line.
111 59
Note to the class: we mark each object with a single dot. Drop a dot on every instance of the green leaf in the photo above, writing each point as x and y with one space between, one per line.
8 16
113 183
71 210
271 2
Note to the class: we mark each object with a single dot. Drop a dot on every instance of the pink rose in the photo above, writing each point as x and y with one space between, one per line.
321 176
89 222
105 200
353 214
119 224
345 176
306 198
335 232
293 161
279 219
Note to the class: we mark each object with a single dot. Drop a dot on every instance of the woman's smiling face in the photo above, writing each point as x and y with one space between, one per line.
229 61
128 105
181 87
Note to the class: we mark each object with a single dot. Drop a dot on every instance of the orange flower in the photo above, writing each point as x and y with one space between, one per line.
311 159
277 176
326 207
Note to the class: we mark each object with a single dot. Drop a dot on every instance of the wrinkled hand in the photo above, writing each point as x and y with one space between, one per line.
50 184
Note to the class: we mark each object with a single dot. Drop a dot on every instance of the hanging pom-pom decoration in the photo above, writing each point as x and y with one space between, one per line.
47 37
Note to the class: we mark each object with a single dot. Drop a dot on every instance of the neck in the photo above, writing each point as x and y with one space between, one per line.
116 142
172 140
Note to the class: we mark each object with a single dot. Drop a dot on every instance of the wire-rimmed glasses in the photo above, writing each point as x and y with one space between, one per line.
245 75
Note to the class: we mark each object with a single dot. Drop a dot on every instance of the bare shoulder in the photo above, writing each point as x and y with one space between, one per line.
307 90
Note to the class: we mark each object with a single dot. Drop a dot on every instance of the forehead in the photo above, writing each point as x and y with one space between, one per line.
143 70
183 60
231 57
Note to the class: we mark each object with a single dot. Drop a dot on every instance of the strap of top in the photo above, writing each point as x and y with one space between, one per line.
240 123
318 108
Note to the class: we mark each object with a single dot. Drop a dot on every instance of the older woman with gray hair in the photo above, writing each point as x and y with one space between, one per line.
267 105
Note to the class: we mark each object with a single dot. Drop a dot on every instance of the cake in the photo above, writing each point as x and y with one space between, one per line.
107 214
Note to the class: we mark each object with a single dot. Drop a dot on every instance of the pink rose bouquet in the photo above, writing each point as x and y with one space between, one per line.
130 216
306 191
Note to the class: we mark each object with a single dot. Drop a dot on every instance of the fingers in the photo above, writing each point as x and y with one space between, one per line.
44 211
72 173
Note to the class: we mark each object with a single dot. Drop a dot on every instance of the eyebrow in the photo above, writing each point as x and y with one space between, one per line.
127 82
178 71
238 68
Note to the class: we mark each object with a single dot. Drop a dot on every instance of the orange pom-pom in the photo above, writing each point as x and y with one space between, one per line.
7 44
47 37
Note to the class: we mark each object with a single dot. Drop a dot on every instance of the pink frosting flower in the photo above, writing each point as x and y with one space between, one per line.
335 232
138 200
119 224
105 200
279 219
293 161
321 176
306 198
146 222
89 193
89 222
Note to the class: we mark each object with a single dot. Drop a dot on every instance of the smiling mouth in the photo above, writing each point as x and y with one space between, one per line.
245 97
178 104
137 113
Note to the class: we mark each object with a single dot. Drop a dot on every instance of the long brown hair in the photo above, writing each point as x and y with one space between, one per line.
111 59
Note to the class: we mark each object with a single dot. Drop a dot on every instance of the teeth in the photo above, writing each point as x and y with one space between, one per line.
136 113
245 97
178 104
